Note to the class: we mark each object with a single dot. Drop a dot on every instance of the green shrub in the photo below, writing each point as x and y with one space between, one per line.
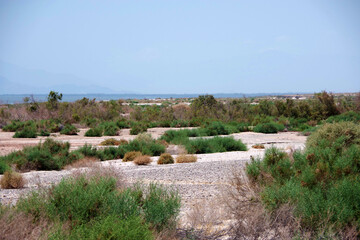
138 128
44 133
269 127
87 150
50 155
110 227
161 207
216 128
345 117
94 132
27 132
151 148
122 124
215 144
110 128
3 166
339 135
69 130
321 183
94 208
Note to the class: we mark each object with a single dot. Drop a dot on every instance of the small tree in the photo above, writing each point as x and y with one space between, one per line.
53 99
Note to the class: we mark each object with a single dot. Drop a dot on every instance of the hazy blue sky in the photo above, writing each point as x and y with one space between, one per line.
179 46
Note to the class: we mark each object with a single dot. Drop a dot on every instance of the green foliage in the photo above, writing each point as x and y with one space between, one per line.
50 155
94 132
161 207
345 117
3 166
322 183
110 128
270 127
212 145
44 133
107 228
69 130
53 99
95 209
27 132
138 128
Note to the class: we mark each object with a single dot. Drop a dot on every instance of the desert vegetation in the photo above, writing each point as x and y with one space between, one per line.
312 193
214 117
95 205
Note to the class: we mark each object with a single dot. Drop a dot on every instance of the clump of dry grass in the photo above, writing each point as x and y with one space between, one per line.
162 142
165 158
258 146
17 225
130 156
142 160
186 159
113 142
12 180
84 162
252 221
99 172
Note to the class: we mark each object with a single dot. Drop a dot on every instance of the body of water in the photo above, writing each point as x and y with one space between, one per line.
18 98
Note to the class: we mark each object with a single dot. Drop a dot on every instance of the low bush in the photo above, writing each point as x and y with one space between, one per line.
151 148
130 156
27 132
165 158
94 132
69 129
142 160
94 208
186 158
110 128
269 127
113 142
138 128
50 155
44 133
122 124
12 180
215 144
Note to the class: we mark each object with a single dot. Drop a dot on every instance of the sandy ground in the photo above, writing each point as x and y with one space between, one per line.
9 144
198 183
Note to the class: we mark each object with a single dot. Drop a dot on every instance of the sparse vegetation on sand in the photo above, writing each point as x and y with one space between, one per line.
113 142
93 206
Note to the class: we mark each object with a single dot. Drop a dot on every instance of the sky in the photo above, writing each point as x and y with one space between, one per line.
193 46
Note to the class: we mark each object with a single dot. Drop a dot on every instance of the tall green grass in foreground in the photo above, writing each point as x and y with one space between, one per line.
83 207
322 183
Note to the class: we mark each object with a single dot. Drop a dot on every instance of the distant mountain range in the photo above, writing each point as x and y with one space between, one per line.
12 80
